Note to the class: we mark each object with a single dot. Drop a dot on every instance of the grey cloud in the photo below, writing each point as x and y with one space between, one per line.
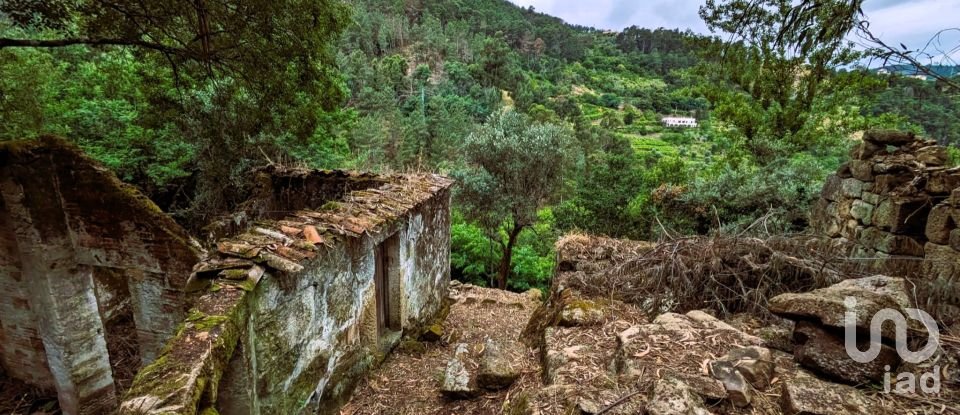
622 12
882 4
912 22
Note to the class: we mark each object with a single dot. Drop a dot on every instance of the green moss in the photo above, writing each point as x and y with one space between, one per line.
412 347
330 206
204 322
209 411
235 274
161 378
585 305
432 333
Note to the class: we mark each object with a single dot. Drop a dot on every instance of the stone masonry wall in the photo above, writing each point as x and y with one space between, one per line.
287 321
899 203
307 344
80 251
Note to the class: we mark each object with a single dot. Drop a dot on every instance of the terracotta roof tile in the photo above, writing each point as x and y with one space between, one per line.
286 243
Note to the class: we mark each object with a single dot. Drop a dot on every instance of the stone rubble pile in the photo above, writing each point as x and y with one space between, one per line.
819 334
691 363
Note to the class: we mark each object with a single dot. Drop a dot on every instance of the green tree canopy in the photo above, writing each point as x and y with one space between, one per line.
228 82
514 168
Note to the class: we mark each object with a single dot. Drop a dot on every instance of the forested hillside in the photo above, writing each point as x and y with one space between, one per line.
548 127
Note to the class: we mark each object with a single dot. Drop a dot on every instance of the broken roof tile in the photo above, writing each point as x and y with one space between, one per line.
294 254
311 235
215 265
238 249
290 230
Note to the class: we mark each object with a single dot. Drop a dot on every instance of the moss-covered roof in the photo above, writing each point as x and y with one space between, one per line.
296 236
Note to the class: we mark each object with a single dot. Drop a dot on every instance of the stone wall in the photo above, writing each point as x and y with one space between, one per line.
288 319
81 255
900 205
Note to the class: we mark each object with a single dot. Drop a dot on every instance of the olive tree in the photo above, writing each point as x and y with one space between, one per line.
514 167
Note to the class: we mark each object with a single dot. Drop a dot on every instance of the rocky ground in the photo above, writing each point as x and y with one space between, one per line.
564 353
588 355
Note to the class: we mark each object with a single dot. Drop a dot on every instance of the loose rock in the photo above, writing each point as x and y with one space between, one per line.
872 294
456 378
807 395
754 362
673 397
825 353
496 364
738 388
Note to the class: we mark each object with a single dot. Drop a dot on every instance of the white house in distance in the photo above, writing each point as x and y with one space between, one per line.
686 122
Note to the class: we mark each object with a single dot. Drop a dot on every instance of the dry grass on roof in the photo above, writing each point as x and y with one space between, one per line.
727 273
584 246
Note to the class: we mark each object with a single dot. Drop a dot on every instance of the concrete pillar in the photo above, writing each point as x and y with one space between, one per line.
72 334
61 294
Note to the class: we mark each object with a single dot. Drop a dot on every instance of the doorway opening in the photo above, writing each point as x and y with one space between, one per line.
387 285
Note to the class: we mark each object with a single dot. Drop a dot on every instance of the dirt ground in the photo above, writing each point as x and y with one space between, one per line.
408 380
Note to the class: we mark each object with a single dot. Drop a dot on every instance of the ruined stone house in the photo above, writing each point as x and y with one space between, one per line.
91 274
308 285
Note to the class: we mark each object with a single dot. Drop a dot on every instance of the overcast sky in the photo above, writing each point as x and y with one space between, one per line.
912 22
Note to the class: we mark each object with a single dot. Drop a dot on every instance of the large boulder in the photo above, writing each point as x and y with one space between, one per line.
829 305
679 339
889 137
825 353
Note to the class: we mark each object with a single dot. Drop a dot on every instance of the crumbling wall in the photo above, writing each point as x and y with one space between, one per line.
900 203
81 254
288 319
308 344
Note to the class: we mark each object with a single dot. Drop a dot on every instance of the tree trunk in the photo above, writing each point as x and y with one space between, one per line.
507 257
